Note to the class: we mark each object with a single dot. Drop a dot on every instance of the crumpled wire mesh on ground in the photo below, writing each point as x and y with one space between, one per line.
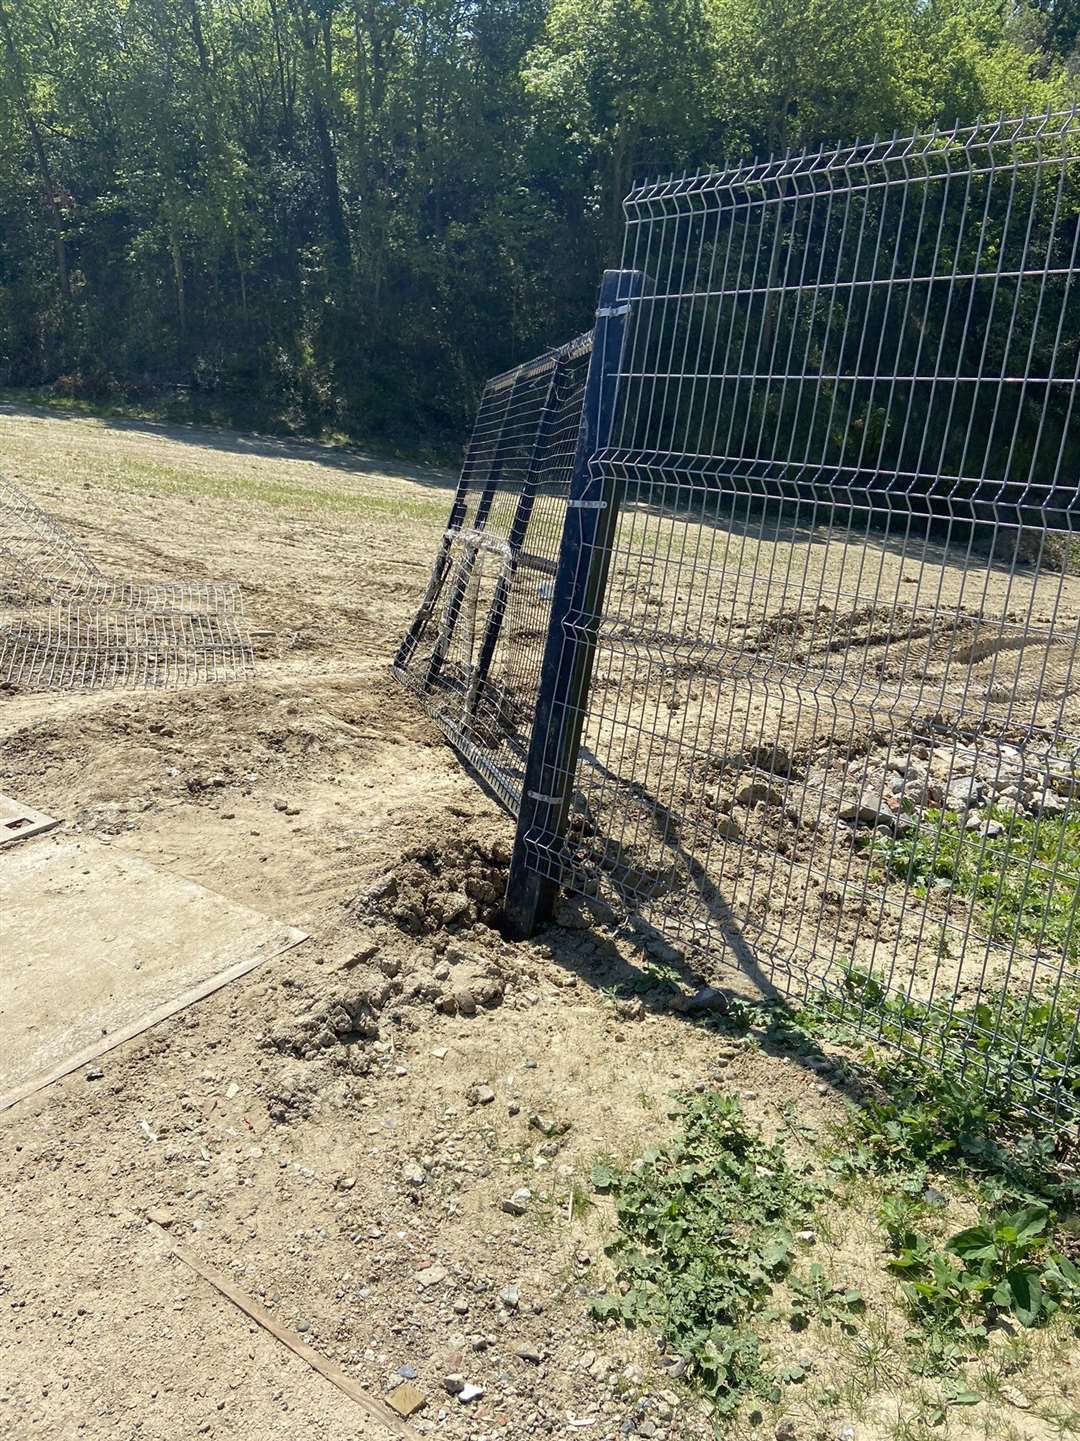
68 626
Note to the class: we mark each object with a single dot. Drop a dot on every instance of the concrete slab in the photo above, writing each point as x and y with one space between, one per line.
19 822
95 945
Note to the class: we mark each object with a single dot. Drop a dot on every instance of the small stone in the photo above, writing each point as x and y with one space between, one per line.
528 1353
708 998
465 1001
786 1429
806 1238
346 1183
461 1305
231 1090
479 1095
470 1392
846 1433
1016 1397
871 809
414 1176
161 1217
963 793
510 1296
430 1276
518 1203
303 1325
757 791
933 1197
406 1399
440 1053
454 1383
94 1073
1048 804
407 1372
548 1125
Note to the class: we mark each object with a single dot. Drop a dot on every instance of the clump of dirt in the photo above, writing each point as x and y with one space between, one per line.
447 885
427 942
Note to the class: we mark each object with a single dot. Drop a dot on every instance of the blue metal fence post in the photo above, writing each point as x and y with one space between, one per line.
570 649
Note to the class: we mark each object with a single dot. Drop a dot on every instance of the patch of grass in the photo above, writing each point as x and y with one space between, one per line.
706 1233
231 484
967 1109
168 408
1025 882
949 1090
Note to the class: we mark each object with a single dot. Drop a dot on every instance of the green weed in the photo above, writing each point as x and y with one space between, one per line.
705 1234
814 1297
1004 1265
1025 882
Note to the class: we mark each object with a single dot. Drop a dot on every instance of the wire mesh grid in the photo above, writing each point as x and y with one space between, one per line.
66 625
75 647
833 731
475 650
35 550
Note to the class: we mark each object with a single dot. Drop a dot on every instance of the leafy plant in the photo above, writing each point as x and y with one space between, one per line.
705 1234
968 1109
814 1297
1003 1265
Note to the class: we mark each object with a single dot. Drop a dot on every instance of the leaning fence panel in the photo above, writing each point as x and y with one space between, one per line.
833 731
474 650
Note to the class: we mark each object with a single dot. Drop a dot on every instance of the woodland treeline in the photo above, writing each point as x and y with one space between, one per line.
344 214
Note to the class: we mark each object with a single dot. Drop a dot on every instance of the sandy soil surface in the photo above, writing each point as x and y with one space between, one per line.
338 1130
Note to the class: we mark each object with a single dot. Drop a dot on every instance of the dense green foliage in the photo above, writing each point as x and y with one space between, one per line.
1004 1265
345 213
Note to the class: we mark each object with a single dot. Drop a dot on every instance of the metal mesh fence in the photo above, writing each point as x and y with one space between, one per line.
66 625
833 730
475 648
75 647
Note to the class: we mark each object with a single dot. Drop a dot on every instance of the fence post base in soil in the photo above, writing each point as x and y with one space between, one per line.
580 582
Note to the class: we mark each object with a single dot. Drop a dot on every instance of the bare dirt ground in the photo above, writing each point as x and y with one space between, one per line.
337 1131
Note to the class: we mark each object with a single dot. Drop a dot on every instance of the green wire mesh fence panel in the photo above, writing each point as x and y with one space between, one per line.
473 652
833 729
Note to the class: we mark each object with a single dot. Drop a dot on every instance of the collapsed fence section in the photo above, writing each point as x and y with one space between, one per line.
803 690
65 625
